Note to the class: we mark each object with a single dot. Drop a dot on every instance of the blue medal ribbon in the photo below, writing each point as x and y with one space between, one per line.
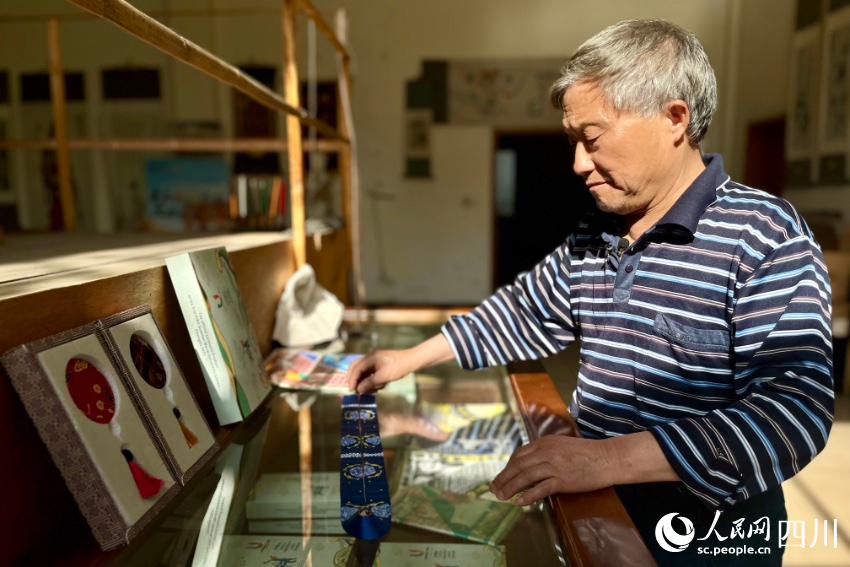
365 510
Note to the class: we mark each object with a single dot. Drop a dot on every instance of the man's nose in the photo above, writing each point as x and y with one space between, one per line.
582 164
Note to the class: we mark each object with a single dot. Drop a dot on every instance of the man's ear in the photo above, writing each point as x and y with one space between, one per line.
679 115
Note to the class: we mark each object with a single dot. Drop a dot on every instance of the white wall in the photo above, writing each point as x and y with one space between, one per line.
389 41
424 241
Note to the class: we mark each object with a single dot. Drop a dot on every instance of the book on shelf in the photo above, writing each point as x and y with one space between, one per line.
278 496
258 201
251 551
318 526
218 325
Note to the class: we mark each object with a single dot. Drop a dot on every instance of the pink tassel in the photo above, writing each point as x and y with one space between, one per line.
148 485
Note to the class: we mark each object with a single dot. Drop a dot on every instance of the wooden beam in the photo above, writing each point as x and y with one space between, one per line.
349 172
60 127
291 90
156 34
337 41
158 14
176 144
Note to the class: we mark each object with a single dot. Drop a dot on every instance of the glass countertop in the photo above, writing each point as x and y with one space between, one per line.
444 433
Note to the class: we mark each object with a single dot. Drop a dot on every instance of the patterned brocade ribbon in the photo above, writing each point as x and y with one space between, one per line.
365 510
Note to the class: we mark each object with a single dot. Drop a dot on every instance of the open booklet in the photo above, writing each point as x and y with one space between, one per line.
309 369
324 371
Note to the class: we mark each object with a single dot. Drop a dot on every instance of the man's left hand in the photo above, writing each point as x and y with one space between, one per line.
554 464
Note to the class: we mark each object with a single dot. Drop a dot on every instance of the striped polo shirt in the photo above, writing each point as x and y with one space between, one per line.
712 331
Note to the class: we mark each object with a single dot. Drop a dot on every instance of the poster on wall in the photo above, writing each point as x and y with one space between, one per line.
188 195
503 93
835 99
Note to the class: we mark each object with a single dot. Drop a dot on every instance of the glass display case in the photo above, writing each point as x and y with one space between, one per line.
438 428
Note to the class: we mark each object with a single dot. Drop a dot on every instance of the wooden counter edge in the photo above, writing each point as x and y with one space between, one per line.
595 528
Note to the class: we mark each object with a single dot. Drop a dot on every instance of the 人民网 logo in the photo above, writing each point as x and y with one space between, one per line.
671 540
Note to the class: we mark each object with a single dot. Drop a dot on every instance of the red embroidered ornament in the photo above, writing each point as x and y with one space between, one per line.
93 395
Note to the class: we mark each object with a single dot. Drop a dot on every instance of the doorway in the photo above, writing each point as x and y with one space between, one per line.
538 201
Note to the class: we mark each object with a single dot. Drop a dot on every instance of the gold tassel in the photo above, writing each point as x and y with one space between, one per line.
191 438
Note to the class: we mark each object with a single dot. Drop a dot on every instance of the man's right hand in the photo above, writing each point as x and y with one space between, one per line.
375 370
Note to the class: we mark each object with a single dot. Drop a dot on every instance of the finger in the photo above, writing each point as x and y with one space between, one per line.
517 462
369 385
353 374
526 478
539 491
357 369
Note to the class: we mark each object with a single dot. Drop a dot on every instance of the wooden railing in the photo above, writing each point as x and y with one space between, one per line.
595 528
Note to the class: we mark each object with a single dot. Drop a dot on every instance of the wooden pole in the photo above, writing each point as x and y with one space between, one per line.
293 136
307 7
57 99
176 144
348 164
157 14
154 33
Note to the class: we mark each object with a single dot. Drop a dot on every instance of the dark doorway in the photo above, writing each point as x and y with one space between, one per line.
765 162
538 201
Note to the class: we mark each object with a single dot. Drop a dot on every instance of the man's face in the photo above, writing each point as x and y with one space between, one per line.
625 159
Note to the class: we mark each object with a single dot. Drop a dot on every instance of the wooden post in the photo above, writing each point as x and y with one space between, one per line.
295 153
57 98
336 40
349 172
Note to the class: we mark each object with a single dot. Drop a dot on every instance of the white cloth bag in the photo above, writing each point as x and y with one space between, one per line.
307 313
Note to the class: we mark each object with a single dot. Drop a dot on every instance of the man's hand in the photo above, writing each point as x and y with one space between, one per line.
554 464
373 371
557 464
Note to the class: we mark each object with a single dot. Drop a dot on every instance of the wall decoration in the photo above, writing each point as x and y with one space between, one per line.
188 195
834 120
802 125
510 93
503 93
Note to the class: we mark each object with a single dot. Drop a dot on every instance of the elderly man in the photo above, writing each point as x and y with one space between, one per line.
702 305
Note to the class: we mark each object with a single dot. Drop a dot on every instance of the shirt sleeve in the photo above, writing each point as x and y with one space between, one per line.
526 320
782 357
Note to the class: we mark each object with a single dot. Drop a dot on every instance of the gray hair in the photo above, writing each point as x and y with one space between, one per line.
641 65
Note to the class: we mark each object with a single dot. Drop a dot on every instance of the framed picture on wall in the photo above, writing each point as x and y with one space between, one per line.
800 136
834 110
